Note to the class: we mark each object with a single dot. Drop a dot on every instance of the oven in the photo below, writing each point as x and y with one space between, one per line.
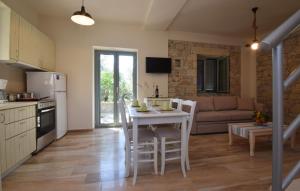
46 123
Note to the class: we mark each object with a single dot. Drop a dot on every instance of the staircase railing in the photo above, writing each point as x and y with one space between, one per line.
275 41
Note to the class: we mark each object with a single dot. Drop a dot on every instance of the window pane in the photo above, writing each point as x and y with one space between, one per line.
223 75
107 89
200 75
211 75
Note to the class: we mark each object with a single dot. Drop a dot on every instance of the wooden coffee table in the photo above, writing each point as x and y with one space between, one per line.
251 131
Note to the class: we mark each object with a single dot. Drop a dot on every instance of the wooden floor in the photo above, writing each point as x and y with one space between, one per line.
94 161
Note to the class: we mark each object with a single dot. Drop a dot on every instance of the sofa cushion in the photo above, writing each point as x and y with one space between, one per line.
245 104
212 116
240 115
204 104
222 103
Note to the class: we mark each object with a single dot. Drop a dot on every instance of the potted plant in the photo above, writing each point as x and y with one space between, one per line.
261 118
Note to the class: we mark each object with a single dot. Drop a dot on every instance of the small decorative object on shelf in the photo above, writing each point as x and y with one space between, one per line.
156 91
261 118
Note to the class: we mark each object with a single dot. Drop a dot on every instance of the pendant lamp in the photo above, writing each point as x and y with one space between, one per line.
82 17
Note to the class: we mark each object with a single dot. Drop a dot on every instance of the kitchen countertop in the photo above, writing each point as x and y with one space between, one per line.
11 105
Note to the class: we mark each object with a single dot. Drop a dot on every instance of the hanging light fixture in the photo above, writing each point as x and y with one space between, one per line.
255 44
82 17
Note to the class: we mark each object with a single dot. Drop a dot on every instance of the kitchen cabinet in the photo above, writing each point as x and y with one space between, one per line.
14 35
9 34
17 135
2 141
29 43
47 52
23 43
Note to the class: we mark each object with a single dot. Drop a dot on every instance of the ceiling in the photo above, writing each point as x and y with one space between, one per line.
217 17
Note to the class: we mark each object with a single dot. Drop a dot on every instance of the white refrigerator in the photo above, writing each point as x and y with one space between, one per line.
52 85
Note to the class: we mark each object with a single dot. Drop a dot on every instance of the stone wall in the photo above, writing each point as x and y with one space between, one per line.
183 79
264 77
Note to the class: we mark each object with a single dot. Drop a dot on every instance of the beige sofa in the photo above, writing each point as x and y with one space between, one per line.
213 113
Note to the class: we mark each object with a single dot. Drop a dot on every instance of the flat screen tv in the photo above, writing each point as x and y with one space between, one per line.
158 65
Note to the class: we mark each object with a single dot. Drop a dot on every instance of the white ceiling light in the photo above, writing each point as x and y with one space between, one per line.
82 17
254 45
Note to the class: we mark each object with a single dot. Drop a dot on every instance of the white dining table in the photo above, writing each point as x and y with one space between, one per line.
155 117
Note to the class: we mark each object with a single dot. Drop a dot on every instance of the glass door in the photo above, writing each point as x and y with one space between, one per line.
115 76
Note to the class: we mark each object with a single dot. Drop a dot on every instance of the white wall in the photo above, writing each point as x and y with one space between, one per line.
248 73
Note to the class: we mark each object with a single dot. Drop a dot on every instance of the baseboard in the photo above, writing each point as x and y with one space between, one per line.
78 130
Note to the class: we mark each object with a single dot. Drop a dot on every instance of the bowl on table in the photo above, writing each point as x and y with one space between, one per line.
135 103
143 108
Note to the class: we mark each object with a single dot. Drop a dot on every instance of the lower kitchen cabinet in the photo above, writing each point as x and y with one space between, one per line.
11 152
19 147
17 136
2 142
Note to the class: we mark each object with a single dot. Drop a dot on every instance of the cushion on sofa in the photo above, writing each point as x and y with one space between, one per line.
240 115
204 104
245 104
222 103
212 116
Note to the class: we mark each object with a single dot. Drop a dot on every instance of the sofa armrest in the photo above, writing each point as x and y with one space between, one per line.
197 108
259 107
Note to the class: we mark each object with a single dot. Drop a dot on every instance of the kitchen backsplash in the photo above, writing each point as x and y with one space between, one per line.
16 78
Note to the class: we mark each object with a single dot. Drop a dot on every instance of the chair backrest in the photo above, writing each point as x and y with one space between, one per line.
192 105
177 102
125 106
122 110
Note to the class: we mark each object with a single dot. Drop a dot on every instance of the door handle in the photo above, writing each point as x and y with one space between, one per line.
47 110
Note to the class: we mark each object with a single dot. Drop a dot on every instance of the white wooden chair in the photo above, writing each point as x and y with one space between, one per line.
126 111
147 142
170 138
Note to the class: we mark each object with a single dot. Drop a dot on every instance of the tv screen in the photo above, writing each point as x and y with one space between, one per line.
158 65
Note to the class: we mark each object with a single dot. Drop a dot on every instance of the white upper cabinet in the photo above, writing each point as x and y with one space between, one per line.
26 43
14 36
9 34
47 52
23 43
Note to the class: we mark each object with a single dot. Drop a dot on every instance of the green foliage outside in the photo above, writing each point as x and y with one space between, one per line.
107 86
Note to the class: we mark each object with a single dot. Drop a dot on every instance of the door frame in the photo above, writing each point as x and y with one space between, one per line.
97 74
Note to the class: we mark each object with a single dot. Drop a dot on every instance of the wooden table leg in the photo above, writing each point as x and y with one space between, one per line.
252 143
230 134
293 141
